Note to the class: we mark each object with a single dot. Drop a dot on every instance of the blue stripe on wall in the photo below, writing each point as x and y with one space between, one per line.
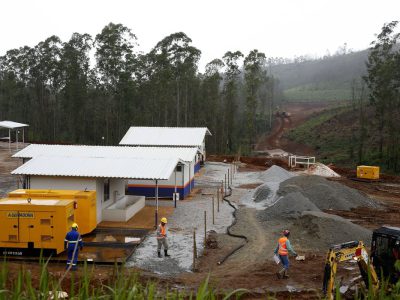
197 167
162 192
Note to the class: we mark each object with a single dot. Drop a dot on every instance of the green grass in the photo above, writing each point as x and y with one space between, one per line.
121 284
317 92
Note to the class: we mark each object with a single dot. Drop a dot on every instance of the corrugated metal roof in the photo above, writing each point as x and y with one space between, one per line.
12 124
129 168
35 150
165 136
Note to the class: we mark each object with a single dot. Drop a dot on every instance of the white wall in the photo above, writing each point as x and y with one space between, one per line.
182 178
117 185
62 183
81 183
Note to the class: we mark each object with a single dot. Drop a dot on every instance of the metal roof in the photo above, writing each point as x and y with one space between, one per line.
11 124
129 168
165 136
35 150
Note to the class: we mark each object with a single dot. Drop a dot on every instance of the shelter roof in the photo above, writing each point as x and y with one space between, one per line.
35 150
128 168
12 124
165 136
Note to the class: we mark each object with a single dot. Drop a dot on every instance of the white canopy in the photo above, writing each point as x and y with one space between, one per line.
12 125
165 136
35 150
127 168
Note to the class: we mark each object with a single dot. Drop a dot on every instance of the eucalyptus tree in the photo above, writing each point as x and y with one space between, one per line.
115 66
211 106
254 75
383 82
176 60
76 74
14 80
46 77
230 93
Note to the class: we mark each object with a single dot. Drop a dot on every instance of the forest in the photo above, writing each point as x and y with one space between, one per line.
90 90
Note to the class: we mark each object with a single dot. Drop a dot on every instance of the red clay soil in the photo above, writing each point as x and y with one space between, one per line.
299 112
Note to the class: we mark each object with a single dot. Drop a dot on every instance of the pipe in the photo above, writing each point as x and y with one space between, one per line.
228 230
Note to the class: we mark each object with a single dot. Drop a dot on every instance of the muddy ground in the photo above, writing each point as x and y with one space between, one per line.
252 266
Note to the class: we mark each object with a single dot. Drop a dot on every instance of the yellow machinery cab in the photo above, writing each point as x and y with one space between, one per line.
29 223
368 172
85 212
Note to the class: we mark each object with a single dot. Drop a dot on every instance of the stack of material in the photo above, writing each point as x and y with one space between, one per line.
321 230
325 194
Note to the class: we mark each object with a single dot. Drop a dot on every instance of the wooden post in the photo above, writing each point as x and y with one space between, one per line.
205 228
194 251
229 182
225 186
217 200
213 213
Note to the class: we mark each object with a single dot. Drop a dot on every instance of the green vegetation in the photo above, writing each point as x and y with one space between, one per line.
120 284
65 97
327 78
309 93
321 132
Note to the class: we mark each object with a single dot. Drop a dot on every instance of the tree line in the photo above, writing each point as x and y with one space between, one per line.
90 90
381 86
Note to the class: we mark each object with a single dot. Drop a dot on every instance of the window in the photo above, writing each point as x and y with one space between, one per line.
179 168
106 190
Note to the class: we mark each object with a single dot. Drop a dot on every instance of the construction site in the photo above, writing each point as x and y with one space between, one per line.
225 213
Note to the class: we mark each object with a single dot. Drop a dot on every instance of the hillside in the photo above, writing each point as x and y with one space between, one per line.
323 79
334 135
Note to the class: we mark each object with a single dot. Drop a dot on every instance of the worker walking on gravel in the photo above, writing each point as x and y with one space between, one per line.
282 250
162 237
73 243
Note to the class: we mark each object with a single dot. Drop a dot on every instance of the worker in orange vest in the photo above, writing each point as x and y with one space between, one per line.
162 237
282 250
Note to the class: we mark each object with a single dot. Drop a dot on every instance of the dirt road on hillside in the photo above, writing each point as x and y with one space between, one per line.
299 113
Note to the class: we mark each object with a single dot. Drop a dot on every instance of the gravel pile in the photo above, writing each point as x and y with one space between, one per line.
289 206
276 174
266 193
319 230
261 193
325 194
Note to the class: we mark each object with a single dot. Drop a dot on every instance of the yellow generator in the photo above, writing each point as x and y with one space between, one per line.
368 172
30 224
85 204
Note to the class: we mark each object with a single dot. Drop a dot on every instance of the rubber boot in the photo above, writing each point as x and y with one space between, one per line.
280 273
285 274
159 254
166 253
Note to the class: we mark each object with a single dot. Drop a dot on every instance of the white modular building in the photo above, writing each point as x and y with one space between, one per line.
180 181
178 137
105 175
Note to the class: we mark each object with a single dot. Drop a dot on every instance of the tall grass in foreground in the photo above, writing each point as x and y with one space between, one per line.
83 285
386 290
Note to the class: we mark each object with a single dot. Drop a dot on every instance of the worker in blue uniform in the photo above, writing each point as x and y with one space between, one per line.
73 243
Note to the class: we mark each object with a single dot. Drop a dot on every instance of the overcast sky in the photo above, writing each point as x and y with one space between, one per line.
284 28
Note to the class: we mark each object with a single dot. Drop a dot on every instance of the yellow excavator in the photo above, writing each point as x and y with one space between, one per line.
385 251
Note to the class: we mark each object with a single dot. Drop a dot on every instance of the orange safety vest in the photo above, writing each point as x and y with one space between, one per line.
162 230
282 246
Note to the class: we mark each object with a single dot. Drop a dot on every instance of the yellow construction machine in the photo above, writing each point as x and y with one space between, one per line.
385 251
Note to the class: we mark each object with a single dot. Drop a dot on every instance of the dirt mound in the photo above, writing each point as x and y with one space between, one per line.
318 230
276 174
325 194
289 206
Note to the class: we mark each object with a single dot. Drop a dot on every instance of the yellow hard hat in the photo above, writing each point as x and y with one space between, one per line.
75 226
164 220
